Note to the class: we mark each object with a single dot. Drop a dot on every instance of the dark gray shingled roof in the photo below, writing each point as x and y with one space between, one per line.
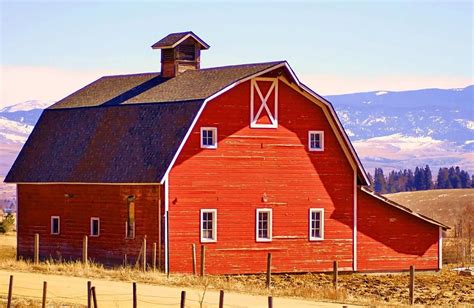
171 39
120 129
151 88
115 144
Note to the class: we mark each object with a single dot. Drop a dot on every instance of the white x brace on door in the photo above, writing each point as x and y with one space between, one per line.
264 103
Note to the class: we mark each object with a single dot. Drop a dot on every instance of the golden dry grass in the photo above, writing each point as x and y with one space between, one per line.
444 205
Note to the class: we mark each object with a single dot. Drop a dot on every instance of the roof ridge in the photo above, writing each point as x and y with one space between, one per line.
240 65
133 74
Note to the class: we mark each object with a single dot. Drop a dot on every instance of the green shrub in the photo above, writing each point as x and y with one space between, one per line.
7 224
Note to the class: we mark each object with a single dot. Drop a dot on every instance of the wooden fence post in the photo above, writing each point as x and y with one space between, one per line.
85 249
144 255
269 270
194 258
36 252
412 285
134 295
335 274
89 286
221 299
45 286
154 256
183 299
270 302
203 260
10 291
94 297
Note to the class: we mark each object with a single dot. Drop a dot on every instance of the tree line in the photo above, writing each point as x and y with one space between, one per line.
420 179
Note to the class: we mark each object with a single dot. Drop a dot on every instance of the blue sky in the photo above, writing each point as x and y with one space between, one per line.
335 47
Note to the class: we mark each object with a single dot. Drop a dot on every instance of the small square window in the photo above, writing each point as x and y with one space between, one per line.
209 137
264 225
55 227
95 226
316 224
316 140
208 225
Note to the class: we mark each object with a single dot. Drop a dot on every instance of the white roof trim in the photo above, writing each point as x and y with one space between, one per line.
206 46
403 208
204 105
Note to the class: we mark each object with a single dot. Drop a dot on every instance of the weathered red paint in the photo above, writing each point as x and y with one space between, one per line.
392 240
249 163
37 203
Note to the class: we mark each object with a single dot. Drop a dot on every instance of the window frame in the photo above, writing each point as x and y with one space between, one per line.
270 224
59 225
214 136
91 234
214 225
321 138
311 211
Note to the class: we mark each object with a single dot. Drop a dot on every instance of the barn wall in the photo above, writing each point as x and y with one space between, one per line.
37 203
248 164
389 239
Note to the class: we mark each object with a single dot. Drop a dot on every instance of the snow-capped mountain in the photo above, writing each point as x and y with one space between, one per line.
391 130
406 129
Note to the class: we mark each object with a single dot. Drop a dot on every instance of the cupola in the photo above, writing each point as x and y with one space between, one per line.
180 52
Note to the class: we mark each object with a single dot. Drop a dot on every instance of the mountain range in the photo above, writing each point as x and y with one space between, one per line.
391 130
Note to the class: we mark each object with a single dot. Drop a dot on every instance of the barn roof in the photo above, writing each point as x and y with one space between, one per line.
113 144
398 206
173 39
151 88
120 129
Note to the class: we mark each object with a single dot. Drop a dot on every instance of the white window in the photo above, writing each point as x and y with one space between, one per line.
264 225
209 137
316 224
55 227
95 226
316 140
208 225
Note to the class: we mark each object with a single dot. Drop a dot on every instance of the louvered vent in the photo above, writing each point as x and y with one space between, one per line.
167 55
186 52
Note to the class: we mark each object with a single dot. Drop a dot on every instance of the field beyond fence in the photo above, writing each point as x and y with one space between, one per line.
443 288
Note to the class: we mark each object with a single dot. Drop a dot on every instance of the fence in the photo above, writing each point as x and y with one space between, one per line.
92 297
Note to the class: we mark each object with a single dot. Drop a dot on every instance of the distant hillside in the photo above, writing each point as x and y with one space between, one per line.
444 205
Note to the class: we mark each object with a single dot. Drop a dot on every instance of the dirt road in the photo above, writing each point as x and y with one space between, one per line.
119 294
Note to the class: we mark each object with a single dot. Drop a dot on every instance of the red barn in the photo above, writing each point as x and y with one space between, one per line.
242 159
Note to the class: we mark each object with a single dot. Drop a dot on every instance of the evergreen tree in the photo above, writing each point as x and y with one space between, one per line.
371 180
453 174
428 178
442 181
380 185
465 179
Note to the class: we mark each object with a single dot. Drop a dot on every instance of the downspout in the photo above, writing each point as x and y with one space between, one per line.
440 249
354 236
167 265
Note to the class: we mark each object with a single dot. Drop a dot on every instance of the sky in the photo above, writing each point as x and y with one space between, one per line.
50 49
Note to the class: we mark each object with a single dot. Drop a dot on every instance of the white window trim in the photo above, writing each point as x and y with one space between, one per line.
270 225
214 137
321 133
98 227
255 88
59 225
214 225
311 211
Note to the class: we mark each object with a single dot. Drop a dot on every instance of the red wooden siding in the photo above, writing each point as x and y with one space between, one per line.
37 203
389 239
249 163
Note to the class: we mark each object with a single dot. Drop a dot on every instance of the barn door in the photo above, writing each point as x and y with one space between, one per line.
264 103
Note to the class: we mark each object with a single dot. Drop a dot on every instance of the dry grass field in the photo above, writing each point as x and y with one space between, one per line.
445 288
444 205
